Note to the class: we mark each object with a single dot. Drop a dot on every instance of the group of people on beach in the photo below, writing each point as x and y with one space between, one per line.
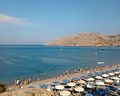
78 70
87 70
21 83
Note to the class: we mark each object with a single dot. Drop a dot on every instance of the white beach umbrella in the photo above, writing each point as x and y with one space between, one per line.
119 76
100 83
89 86
82 82
116 72
98 77
90 79
65 93
115 78
108 81
79 89
111 74
105 75
71 84
59 87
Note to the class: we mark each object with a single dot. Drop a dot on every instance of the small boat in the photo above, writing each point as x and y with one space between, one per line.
100 62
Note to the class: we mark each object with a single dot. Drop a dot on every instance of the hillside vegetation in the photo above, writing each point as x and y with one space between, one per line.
2 87
88 39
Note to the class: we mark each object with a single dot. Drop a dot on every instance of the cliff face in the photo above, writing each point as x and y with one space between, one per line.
88 39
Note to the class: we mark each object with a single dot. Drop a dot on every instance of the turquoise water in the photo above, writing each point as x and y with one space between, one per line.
30 61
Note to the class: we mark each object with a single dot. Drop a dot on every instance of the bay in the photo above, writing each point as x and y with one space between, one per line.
33 61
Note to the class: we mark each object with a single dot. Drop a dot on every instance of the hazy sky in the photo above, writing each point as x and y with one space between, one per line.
38 21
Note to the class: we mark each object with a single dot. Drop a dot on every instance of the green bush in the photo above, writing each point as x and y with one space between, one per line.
2 87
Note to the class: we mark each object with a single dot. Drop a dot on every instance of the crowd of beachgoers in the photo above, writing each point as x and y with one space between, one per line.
105 83
95 81
20 83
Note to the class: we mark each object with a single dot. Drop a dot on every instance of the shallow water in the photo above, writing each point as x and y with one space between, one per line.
33 61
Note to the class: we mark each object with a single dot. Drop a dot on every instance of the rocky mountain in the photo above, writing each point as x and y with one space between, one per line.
88 39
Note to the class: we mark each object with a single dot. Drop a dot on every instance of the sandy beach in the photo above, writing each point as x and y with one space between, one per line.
84 72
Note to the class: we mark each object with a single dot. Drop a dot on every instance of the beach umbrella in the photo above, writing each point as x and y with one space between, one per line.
98 77
102 92
89 86
79 89
115 78
55 83
75 79
116 72
81 82
91 75
111 74
84 77
98 73
100 83
105 75
44 86
65 93
119 76
108 81
90 79
71 84
59 87
112 88
66 81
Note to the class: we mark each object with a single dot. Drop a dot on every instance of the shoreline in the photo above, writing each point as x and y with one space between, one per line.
60 78
27 91
84 72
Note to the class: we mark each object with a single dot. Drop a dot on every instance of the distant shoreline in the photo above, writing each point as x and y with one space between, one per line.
88 39
79 46
51 45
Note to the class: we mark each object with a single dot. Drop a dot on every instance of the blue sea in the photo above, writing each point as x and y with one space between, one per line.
39 61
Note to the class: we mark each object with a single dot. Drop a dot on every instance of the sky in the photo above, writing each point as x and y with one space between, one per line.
40 21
